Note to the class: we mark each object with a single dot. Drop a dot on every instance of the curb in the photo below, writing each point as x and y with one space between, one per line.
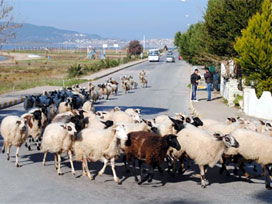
117 70
11 103
21 100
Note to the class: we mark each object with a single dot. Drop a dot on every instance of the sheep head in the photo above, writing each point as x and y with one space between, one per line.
22 125
172 141
120 132
228 140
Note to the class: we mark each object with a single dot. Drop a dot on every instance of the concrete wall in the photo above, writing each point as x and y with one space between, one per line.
229 86
260 108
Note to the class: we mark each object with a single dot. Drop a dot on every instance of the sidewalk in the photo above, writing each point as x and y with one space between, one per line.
14 98
214 109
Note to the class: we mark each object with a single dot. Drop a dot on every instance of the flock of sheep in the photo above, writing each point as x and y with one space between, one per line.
65 122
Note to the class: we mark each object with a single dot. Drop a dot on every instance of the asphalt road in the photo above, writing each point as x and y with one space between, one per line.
167 93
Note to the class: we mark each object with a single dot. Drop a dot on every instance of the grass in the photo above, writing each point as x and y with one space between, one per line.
237 99
20 75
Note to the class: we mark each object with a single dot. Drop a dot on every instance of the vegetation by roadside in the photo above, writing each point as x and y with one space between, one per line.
23 74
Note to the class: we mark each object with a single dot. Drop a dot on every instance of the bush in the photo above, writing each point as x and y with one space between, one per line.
75 71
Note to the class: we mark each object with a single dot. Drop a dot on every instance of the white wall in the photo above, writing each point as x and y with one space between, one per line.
260 108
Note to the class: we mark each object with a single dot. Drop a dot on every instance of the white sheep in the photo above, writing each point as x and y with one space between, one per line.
126 86
118 116
99 145
134 113
202 147
14 132
88 106
64 107
105 90
58 138
253 147
94 93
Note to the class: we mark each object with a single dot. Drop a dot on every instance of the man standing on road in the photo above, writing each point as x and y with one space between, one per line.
194 81
209 80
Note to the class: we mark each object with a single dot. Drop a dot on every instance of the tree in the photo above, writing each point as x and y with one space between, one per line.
177 38
191 46
135 48
6 25
255 50
224 20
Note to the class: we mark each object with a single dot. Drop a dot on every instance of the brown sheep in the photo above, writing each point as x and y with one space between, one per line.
149 148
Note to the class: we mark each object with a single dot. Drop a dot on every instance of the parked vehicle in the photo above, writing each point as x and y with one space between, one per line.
170 58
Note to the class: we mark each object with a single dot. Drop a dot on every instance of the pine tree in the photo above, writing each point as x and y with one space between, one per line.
224 20
255 49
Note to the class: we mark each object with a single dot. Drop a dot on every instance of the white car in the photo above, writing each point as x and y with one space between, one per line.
170 58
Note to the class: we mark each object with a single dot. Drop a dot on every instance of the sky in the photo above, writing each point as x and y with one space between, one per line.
123 19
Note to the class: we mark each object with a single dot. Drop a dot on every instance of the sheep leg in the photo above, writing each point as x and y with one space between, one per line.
71 162
86 168
3 148
8 152
134 171
38 144
55 161
182 168
44 157
101 172
83 169
59 161
267 183
17 157
143 177
125 163
202 174
116 179
150 175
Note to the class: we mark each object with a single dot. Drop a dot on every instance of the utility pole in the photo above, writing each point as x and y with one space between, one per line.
144 42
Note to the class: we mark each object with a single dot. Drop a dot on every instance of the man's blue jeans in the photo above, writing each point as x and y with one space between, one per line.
209 89
194 87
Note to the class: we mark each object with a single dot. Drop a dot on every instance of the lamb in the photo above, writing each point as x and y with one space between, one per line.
58 138
99 145
14 132
88 106
254 147
203 148
148 147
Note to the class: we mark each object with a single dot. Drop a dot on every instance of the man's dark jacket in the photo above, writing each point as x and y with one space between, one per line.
194 78
208 77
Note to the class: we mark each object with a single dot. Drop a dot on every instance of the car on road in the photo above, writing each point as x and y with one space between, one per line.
170 58
154 55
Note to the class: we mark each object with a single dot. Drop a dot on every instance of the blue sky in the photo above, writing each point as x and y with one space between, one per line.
125 19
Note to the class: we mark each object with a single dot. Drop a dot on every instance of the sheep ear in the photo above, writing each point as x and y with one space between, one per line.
218 136
268 125
18 122
229 119
63 126
262 122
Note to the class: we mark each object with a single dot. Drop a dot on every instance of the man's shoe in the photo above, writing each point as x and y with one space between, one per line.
195 101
